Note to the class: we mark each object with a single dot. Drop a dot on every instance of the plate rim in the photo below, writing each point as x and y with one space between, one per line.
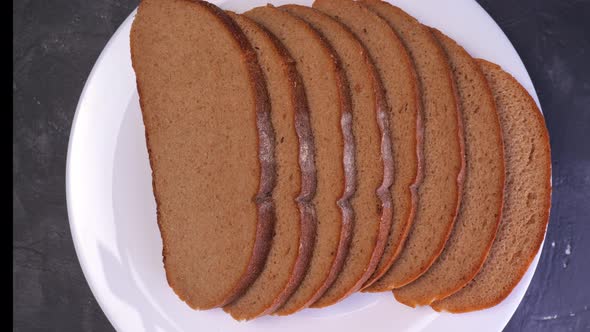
73 229
87 85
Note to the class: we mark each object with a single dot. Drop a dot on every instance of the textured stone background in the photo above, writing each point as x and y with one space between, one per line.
57 42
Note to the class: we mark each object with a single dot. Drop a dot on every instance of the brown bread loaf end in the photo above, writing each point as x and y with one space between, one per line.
481 205
193 106
527 197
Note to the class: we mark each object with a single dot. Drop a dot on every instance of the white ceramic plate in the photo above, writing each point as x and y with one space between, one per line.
112 209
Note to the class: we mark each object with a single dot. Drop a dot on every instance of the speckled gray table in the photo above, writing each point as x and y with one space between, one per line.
55 45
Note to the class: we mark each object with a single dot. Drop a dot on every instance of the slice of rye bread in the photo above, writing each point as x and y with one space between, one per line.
294 233
368 105
327 94
439 193
397 74
206 114
481 204
527 197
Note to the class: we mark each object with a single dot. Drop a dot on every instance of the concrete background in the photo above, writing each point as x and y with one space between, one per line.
55 46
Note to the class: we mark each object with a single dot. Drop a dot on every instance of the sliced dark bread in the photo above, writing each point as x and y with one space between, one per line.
481 204
327 94
294 232
527 197
368 103
440 191
206 114
401 90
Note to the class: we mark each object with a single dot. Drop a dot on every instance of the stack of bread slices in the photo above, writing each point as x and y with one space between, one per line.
301 154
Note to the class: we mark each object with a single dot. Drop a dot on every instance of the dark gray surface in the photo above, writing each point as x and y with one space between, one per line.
57 42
